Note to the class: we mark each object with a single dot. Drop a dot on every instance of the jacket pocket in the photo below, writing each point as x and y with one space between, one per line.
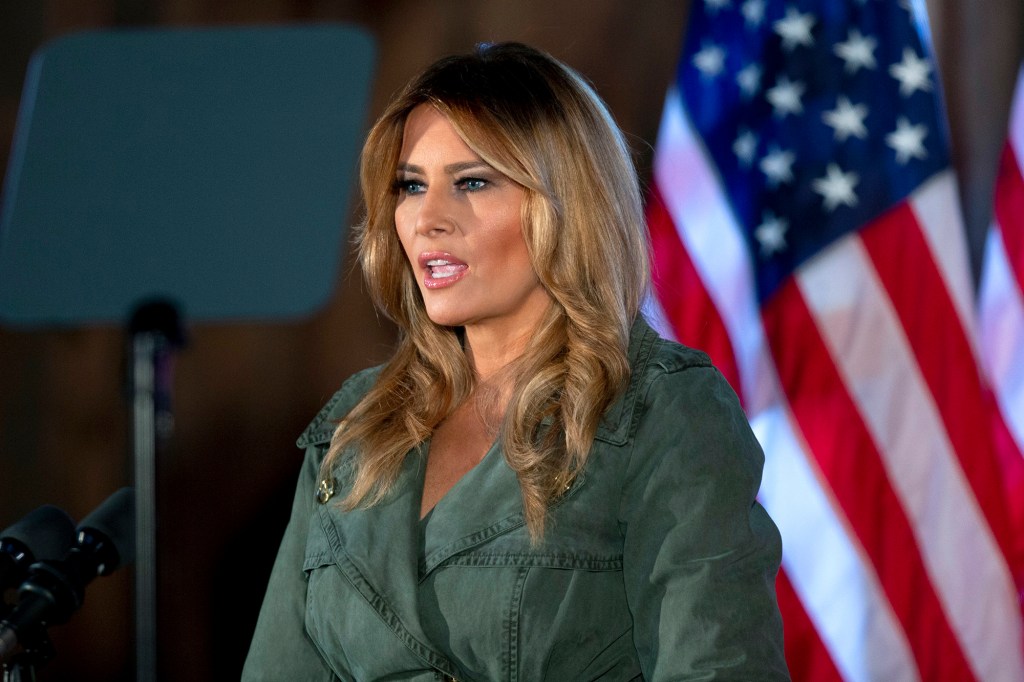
318 565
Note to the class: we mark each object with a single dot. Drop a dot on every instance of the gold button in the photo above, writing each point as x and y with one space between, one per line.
325 490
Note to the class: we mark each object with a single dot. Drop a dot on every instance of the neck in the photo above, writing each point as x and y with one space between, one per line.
494 345
490 352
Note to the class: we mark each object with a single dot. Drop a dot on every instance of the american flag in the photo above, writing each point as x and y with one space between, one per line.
806 232
1001 313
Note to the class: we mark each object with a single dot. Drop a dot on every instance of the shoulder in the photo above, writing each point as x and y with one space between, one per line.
678 401
677 372
350 393
683 392
659 368
686 426
670 357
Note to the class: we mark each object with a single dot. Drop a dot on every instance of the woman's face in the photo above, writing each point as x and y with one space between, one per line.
459 221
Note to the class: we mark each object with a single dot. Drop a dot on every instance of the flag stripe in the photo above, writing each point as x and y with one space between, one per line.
901 258
807 656
1001 328
858 476
837 587
937 209
877 366
685 302
1009 210
1001 318
707 231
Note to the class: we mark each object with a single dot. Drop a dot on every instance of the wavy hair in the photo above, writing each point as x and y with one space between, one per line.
539 123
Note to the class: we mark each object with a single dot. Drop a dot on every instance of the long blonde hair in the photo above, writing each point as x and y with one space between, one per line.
539 123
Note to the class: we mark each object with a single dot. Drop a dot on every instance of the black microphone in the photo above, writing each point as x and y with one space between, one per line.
55 589
45 534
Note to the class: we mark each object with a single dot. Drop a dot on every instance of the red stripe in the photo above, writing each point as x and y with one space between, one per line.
685 301
1012 464
906 268
1009 211
806 655
849 460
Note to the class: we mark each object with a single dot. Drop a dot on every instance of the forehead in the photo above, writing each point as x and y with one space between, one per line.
428 133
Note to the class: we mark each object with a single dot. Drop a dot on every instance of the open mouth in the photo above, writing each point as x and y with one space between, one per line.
442 270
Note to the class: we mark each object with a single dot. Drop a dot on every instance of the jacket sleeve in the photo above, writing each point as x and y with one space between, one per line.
701 554
281 650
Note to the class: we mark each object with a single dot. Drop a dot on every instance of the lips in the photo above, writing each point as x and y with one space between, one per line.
441 269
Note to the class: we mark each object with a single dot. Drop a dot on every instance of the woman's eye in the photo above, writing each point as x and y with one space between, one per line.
471 184
408 186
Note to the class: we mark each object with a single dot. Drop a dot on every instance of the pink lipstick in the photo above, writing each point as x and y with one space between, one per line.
442 269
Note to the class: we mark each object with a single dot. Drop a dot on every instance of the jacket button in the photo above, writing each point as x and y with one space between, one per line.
325 490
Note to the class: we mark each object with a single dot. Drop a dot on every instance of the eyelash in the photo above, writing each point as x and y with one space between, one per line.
405 186
463 182
411 186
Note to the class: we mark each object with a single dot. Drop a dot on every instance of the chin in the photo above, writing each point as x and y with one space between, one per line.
446 318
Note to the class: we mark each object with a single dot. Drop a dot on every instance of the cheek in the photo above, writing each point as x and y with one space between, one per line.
405 234
512 258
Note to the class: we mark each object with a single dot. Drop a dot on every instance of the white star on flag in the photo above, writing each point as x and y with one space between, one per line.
749 79
753 12
847 119
912 73
777 166
771 234
858 51
745 147
785 97
907 140
836 187
710 60
795 29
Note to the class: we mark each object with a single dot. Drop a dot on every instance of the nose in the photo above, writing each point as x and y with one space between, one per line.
435 214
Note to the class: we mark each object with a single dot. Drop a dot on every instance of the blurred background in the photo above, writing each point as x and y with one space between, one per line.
243 392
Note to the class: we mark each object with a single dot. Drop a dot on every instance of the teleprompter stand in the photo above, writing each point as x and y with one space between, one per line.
160 176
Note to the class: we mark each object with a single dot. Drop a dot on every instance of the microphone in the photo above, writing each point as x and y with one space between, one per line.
55 589
45 534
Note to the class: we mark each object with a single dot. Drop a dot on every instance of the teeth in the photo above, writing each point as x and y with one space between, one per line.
436 262
443 272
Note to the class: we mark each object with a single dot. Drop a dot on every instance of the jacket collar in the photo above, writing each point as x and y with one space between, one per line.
619 420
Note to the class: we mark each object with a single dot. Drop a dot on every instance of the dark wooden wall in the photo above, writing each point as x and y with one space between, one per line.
244 392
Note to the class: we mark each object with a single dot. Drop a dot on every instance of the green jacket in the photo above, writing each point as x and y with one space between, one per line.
658 563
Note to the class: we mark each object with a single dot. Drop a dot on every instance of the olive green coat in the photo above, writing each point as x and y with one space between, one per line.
658 563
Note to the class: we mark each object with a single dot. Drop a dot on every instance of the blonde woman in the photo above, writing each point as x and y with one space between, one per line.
535 486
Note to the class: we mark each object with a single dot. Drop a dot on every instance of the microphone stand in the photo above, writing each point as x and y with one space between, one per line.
36 649
155 334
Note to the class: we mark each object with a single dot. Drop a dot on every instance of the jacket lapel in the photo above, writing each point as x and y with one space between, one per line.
484 503
377 548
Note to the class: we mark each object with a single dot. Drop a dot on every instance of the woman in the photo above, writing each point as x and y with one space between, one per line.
535 487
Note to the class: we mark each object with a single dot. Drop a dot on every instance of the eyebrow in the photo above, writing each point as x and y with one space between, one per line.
450 169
